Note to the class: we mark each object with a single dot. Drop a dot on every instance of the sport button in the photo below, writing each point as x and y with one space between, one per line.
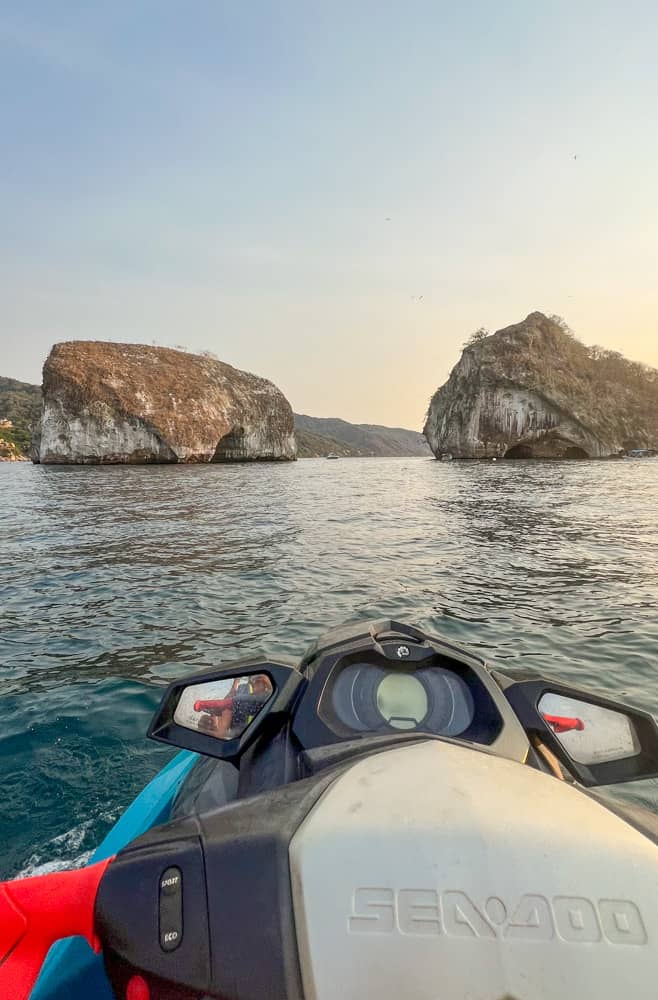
170 882
171 909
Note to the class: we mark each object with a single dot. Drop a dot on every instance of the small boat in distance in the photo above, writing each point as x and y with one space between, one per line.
331 455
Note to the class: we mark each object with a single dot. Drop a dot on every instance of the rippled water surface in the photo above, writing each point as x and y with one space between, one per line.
114 580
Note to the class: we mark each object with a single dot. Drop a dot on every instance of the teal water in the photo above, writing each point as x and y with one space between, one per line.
115 580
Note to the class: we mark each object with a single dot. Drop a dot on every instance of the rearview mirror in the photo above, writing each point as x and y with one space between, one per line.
223 708
598 740
589 733
219 713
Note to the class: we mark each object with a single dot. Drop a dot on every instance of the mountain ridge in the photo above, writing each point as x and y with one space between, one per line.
371 440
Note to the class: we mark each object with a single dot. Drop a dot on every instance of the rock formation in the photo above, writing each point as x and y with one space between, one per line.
106 403
533 391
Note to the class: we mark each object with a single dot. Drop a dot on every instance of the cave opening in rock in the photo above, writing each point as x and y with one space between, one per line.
520 451
573 451
231 447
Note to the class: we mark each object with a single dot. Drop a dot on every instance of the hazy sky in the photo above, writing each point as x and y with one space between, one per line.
219 175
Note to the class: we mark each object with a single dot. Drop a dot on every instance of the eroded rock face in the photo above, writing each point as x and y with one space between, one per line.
107 403
533 391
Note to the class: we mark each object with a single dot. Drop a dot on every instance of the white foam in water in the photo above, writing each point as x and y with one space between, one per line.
63 843
48 867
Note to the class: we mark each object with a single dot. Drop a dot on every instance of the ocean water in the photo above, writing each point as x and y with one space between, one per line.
115 580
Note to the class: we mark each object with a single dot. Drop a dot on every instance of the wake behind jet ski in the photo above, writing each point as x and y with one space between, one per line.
388 816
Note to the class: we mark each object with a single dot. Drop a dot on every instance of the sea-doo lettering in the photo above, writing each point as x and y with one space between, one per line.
573 919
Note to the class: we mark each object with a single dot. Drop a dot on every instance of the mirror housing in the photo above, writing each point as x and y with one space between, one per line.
628 754
201 696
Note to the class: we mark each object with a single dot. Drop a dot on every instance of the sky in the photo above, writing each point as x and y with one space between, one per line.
281 182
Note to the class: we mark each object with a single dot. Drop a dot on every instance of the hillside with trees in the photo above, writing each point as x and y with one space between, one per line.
20 404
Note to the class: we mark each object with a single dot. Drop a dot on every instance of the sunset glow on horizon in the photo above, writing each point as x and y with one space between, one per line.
333 198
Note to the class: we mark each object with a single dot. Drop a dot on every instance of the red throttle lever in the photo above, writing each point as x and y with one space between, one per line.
564 723
214 706
36 912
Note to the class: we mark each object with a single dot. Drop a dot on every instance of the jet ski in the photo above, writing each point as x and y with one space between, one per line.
389 816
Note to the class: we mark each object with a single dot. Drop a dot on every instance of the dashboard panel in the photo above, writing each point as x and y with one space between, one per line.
367 697
370 691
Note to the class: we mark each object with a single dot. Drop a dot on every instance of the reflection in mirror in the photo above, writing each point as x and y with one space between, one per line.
223 708
589 733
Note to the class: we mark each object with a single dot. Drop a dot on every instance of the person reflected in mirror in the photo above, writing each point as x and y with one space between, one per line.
240 707
248 703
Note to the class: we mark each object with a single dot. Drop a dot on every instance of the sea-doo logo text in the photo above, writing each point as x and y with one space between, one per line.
403 651
427 912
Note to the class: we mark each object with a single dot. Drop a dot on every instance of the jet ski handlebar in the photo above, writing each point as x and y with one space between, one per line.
213 706
35 912
564 724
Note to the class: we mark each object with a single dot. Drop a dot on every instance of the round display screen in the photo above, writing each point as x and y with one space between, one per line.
367 697
401 700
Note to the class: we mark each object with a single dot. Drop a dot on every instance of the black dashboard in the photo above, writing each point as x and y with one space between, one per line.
393 687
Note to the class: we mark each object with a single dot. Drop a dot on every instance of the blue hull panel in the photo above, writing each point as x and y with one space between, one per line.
72 971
